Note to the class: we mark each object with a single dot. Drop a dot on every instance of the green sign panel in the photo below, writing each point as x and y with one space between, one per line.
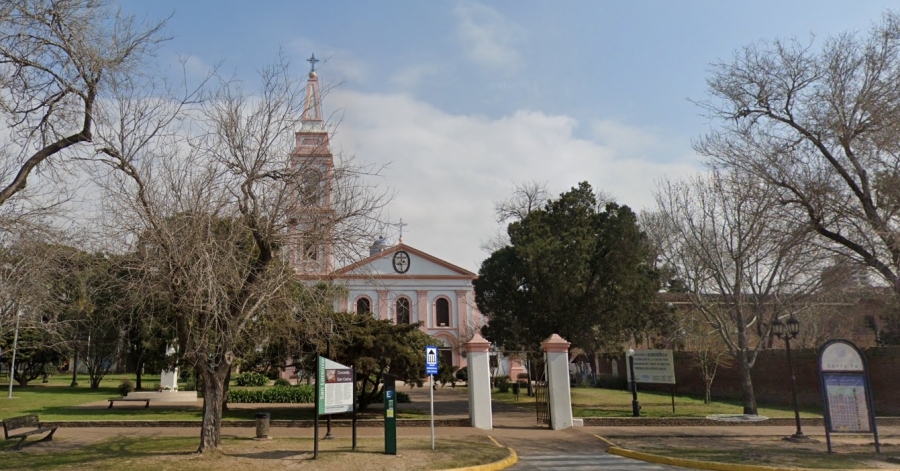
390 414
335 383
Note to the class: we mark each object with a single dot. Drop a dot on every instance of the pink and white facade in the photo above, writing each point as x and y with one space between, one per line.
406 285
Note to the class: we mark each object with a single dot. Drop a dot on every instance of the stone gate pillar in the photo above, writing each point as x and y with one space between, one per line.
560 396
477 351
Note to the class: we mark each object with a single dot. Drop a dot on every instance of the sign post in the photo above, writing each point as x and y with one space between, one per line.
431 369
335 394
653 366
390 416
846 390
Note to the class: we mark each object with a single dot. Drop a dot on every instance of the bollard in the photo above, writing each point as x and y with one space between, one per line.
262 426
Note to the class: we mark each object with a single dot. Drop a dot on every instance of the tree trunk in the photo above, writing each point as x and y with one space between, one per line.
746 384
213 392
138 371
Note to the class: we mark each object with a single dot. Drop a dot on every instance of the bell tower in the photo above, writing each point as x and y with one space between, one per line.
313 164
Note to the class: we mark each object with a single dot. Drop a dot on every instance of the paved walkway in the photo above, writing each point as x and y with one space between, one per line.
538 447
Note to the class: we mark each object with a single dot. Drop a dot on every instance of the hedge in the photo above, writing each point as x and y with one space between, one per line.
251 378
300 394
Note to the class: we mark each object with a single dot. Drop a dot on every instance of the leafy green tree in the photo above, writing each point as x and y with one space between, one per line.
376 347
36 353
571 268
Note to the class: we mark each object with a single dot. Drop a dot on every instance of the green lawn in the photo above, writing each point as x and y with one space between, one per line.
156 453
598 402
56 401
772 456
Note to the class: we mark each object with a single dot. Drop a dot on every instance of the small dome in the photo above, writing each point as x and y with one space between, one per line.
380 244
312 74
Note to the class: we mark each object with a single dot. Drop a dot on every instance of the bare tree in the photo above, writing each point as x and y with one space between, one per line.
820 122
57 59
704 343
742 263
212 202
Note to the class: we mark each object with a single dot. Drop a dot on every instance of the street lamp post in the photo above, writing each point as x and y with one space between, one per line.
789 331
329 332
12 367
635 405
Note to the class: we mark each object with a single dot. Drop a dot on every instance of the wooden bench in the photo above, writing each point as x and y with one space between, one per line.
12 429
128 399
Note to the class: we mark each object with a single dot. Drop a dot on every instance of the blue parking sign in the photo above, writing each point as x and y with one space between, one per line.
431 360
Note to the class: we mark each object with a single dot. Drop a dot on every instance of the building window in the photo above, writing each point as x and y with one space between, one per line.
442 312
402 310
363 305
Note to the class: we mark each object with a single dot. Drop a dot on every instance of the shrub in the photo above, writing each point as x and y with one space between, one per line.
463 374
522 377
503 383
251 378
300 394
282 382
125 387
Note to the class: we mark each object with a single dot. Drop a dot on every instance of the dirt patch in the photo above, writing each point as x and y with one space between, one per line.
848 451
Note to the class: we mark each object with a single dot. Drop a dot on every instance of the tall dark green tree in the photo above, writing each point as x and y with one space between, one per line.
378 347
572 268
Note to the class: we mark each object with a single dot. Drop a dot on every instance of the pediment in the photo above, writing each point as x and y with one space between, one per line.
416 263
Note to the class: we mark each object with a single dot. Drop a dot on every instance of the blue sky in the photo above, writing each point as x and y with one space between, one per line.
465 99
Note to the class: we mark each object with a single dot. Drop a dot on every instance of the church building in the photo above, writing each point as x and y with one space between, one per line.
406 285
396 282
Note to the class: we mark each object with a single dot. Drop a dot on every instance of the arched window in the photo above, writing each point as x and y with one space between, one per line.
363 305
442 312
402 310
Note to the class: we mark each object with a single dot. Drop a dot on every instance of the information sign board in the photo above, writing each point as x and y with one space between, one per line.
431 360
335 384
847 405
847 390
654 366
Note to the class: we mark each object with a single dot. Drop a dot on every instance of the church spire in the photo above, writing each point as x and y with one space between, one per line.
312 115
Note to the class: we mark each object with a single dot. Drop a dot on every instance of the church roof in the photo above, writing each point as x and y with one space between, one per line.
350 271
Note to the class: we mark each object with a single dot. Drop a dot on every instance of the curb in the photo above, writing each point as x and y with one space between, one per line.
704 422
711 465
510 460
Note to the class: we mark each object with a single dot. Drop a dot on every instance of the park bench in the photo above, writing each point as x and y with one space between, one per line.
12 428
128 399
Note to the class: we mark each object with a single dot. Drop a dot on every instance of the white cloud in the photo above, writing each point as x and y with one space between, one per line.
411 76
490 40
448 169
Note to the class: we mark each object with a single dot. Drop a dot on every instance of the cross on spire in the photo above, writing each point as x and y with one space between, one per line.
400 225
312 60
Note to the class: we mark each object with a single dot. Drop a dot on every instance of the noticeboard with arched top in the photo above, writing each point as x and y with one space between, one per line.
846 390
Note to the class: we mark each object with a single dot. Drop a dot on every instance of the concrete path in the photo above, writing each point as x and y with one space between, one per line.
538 447
585 462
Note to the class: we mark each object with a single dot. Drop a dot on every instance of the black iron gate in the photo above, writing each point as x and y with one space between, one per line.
542 402
538 366
537 385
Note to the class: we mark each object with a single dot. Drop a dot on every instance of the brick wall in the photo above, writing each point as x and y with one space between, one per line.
771 378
